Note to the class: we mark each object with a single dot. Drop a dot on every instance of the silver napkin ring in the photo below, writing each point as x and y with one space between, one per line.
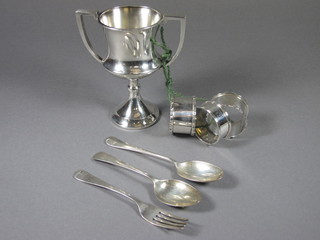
230 101
183 115
212 123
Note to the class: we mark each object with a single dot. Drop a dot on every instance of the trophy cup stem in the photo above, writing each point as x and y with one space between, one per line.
134 88
135 113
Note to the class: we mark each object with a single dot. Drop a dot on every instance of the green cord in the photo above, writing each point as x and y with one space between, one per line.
165 58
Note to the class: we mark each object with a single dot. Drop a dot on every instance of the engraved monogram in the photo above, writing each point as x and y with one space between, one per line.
139 43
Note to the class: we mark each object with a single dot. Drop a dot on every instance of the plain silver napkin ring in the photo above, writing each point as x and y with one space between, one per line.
212 123
231 102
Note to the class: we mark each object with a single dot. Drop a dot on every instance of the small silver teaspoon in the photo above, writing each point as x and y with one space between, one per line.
197 171
168 191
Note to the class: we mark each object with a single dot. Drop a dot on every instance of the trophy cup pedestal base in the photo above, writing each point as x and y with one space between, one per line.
136 114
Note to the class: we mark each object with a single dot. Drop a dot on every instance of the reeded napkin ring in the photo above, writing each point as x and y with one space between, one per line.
232 101
212 123
183 115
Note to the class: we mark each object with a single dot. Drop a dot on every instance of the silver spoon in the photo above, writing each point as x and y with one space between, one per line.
169 191
197 171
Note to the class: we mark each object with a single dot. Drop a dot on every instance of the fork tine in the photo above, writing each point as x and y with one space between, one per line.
163 225
164 221
174 216
170 219
160 223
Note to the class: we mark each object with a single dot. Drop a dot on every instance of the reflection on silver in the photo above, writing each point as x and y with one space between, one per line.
233 101
215 118
183 115
128 31
212 123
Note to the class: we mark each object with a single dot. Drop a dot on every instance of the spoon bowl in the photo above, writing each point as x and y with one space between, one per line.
199 171
176 193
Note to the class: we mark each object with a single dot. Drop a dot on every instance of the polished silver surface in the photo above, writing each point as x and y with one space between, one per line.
150 213
183 115
116 18
212 123
131 55
168 191
231 101
135 113
197 171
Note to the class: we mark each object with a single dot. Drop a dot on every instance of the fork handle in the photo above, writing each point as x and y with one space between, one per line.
85 177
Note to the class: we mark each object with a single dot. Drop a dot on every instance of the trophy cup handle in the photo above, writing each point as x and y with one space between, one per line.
79 17
182 34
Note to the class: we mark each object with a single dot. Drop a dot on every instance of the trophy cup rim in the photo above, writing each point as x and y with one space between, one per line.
161 17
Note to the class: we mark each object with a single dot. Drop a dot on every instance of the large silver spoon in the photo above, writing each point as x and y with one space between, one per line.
169 191
197 171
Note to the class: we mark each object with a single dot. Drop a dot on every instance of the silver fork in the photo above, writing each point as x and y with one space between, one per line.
152 214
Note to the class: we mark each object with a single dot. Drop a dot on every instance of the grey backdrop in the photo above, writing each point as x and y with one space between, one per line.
55 101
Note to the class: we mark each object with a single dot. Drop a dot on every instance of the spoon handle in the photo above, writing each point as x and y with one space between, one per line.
117 143
107 158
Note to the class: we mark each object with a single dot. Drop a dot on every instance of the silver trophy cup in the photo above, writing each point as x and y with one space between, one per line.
131 55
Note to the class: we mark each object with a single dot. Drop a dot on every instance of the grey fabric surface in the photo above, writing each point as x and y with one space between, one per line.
55 102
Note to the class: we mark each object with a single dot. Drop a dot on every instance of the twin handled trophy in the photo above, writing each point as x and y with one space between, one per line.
129 31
